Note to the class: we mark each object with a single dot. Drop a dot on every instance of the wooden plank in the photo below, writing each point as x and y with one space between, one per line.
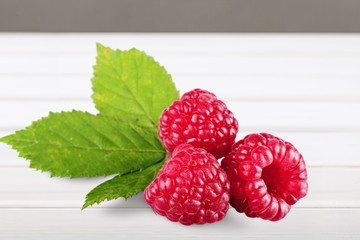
180 43
65 223
252 115
236 87
192 64
22 187
299 87
322 149
50 87
30 111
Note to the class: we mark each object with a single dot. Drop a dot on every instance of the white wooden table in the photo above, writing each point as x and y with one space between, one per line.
303 88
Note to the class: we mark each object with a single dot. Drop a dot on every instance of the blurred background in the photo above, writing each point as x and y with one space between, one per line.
180 16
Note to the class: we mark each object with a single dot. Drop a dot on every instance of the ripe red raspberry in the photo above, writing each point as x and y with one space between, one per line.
267 175
201 120
190 188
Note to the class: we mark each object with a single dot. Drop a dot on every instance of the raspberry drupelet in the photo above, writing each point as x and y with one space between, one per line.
267 175
200 119
191 188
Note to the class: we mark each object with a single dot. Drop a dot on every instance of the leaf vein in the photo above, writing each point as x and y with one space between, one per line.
140 103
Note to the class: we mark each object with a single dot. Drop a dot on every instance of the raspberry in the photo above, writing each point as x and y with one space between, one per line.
267 175
191 188
201 120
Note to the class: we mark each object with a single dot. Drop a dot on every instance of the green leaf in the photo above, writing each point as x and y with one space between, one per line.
130 90
79 144
123 186
131 86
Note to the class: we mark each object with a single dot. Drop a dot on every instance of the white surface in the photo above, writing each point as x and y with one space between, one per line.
303 88
141 223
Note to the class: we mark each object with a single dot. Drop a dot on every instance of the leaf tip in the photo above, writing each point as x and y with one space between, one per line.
99 47
6 139
86 204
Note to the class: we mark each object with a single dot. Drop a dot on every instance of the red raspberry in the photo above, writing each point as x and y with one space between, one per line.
190 188
201 120
267 175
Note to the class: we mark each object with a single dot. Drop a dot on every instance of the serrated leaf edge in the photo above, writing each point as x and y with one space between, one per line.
88 204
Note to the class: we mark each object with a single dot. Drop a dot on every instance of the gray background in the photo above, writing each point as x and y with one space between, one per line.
180 15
